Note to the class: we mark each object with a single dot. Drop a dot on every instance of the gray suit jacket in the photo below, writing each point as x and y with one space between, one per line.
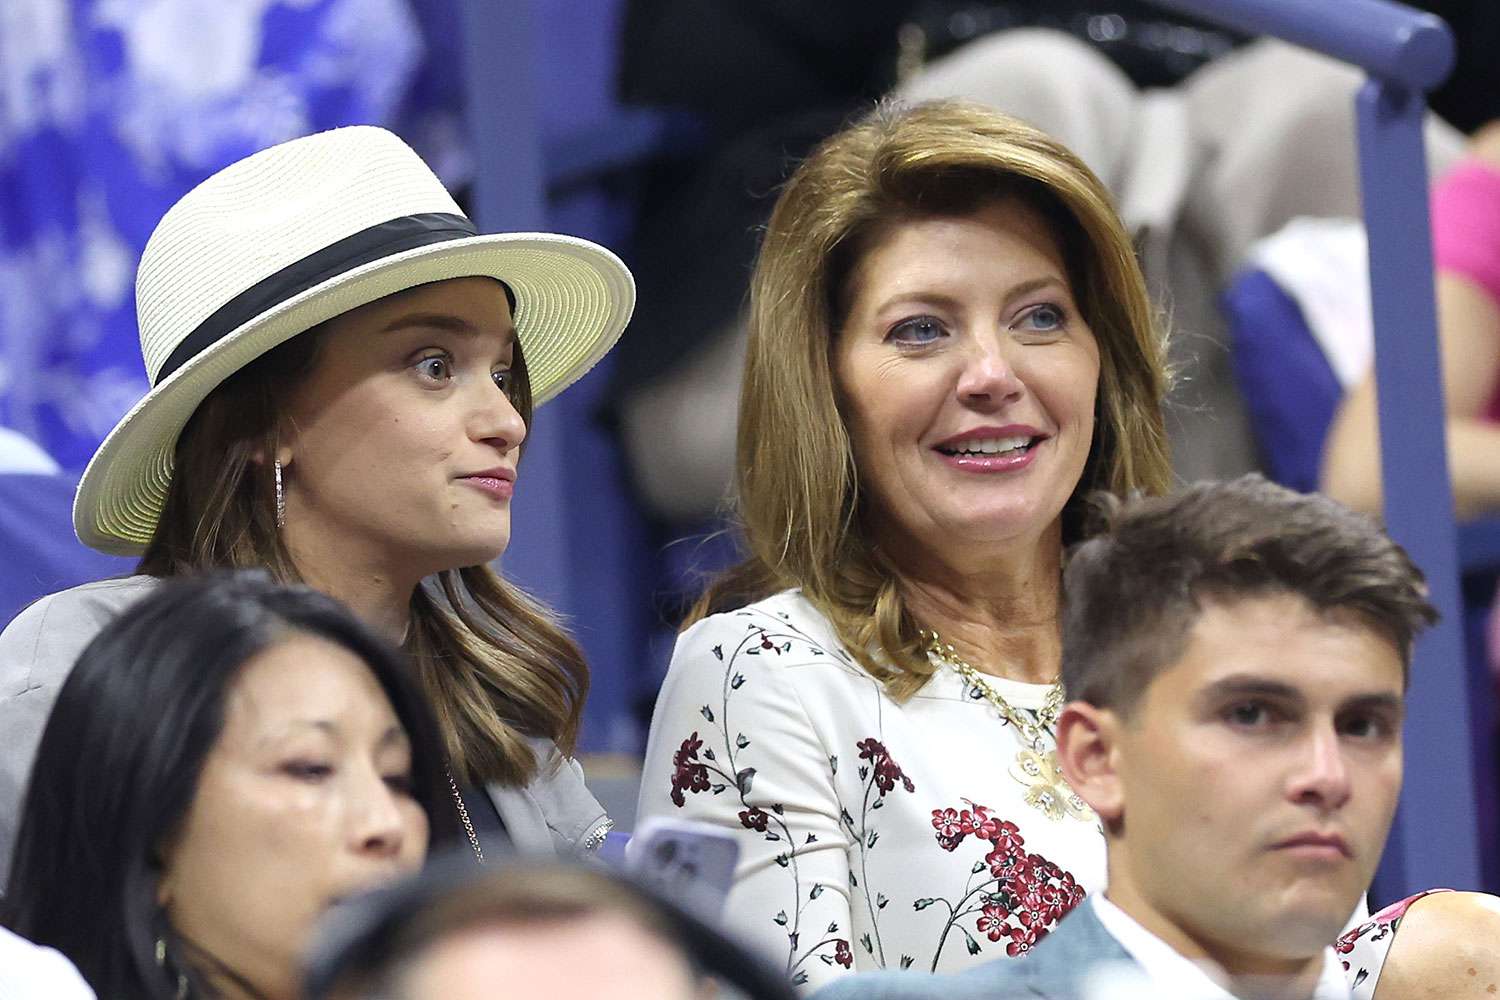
1058 969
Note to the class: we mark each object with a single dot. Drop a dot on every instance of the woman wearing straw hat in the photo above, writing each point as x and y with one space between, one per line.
343 371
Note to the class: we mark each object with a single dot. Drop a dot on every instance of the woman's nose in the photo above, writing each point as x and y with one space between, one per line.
495 418
989 377
378 822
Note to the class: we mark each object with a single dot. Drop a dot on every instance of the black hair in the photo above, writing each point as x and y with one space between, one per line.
118 765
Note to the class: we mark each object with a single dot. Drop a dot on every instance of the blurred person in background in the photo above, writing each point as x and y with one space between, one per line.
1466 249
543 930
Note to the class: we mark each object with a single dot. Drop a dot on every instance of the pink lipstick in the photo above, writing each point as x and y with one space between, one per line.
991 449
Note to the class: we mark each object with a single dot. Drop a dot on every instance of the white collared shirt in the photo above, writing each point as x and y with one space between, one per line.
1169 973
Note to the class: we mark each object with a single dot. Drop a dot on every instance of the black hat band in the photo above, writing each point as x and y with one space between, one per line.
384 240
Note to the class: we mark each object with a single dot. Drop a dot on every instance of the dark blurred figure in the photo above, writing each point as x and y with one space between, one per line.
542 930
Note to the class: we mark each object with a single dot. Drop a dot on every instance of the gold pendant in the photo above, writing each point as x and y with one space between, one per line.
1046 789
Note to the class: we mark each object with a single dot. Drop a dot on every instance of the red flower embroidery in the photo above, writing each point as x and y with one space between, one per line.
1022 940
687 774
754 819
970 822
887 772
842 955
1032 895
949 832
1054 902
1007 835
992 921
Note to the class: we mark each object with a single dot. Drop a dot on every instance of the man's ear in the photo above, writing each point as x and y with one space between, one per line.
1087 748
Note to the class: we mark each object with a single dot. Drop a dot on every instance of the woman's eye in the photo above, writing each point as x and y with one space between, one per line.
401 784
917 330
503 380
1045 318
306 770
436 368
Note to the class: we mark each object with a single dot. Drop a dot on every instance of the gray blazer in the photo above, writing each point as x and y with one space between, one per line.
554 813
1058 969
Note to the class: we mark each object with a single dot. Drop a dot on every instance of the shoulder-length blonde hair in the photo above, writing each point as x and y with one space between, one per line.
797 483
495 666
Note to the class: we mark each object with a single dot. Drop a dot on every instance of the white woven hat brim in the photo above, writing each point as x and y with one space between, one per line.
573 297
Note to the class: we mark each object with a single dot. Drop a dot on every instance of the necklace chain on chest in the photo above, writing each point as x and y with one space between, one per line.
463 815
1031 729
1035 765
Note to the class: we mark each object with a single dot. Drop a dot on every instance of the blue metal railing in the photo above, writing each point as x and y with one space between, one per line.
1435 841
1389 41
575 540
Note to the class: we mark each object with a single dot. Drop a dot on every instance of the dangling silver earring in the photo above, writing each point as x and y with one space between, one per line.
161 963
280 496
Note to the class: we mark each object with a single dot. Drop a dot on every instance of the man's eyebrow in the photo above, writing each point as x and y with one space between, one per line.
1383 701
1242 685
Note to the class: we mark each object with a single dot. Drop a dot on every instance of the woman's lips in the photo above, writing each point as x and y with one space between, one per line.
1009 460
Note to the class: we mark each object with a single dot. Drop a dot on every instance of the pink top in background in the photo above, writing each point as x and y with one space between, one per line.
1466 233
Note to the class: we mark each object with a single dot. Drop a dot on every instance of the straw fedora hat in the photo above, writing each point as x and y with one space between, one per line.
294 235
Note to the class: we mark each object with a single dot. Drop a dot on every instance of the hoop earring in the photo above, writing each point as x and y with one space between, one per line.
280 496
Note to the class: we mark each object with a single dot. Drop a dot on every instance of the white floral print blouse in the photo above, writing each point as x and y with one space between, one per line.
872 834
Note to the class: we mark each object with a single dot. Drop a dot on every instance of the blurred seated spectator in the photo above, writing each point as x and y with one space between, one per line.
228 759
544 930
1466 249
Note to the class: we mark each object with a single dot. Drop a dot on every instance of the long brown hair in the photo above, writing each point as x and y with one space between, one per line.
495 665
797 484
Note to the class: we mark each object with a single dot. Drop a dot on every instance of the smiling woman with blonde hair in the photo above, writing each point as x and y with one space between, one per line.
950 345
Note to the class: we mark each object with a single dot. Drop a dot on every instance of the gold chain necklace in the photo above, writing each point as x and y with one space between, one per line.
463 815
1035 765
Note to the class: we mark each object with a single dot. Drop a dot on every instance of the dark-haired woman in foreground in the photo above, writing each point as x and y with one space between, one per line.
227 760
